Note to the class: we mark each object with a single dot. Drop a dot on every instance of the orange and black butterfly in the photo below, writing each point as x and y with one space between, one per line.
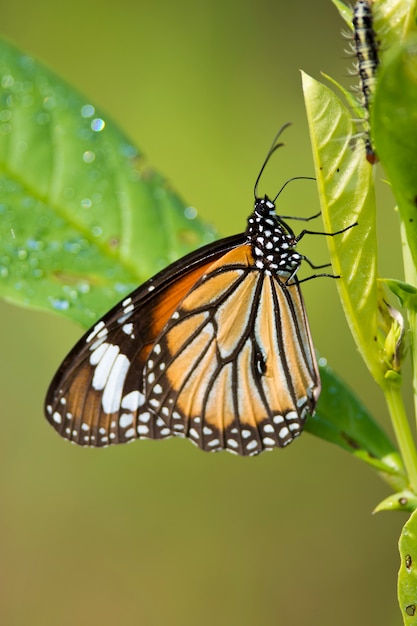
216 348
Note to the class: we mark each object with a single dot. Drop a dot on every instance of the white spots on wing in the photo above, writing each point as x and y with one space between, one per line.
193 433
98 353
252 445
284 432
57 417
213 443
130 433
128 330
109 375
95 331
157 389
165 432
133 400
85 426
278 419
143 429
268 441
291 415
207 430
126 419
268 428
49 409
145 417
246 434
157 348
232 443
113 389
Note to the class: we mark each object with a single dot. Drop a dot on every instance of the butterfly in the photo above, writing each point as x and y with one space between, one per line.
366 50
216 348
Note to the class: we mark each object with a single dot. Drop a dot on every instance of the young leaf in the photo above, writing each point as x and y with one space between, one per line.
346 190
82 220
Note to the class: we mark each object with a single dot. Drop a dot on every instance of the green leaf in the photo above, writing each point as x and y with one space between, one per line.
343 420
346 190
407 576
395 132
82 219
345 12
402 501
394 20
406 293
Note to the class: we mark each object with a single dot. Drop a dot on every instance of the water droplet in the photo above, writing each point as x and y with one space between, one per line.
89 156
83 287
96 231
322 361
42 118
97 124
22 254
86 203
35 244
87 110
70 292
22 146
121 288
5 115
190 213
128 151
7 81
49 103
73 246
59 304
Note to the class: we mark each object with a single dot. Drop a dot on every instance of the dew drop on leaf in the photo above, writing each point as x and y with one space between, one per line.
59 304
87 110
97 124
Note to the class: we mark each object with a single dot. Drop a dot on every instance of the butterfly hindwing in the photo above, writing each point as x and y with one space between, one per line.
235 370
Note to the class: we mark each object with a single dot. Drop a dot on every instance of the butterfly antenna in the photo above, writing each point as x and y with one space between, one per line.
290 181
271 151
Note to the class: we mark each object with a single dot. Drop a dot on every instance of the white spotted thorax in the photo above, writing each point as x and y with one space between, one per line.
272 242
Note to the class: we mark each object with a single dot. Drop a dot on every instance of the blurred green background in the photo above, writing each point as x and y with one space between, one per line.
158 532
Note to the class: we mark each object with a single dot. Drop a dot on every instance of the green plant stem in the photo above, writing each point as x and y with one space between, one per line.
392 391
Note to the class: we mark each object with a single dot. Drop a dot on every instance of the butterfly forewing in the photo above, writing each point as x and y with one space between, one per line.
96 397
